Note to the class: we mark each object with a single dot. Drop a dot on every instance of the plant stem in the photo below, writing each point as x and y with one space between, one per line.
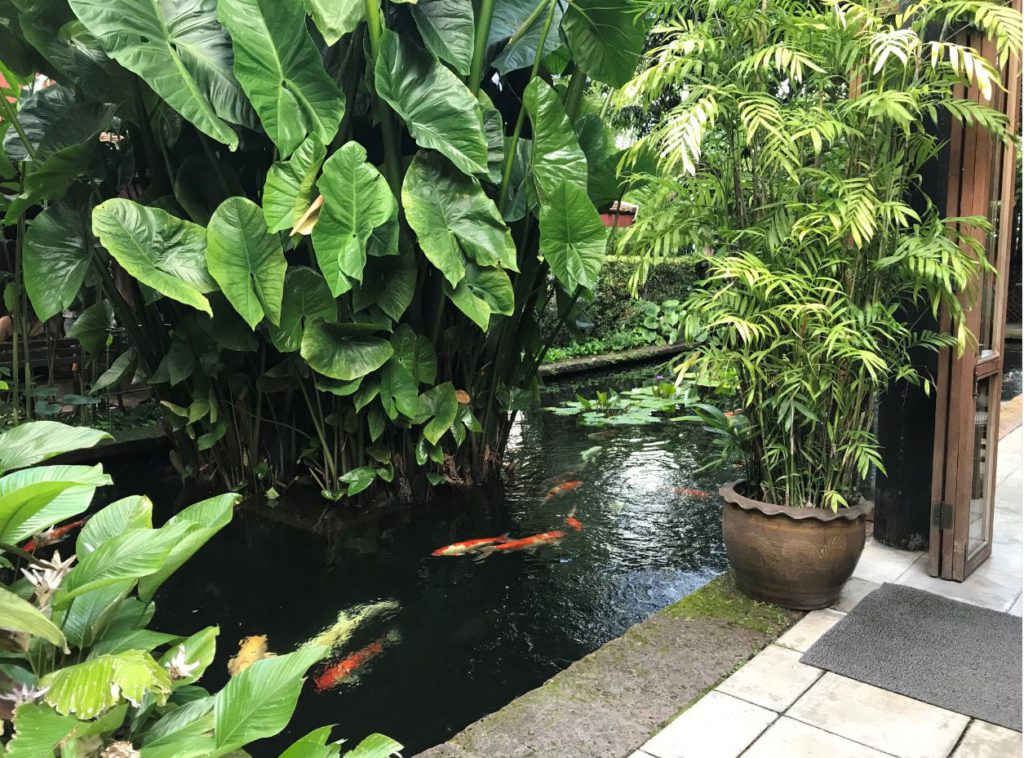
11 115
483 31
392 166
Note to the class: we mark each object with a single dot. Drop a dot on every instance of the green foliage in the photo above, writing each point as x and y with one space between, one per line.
792 138
265 193
84 673
635 407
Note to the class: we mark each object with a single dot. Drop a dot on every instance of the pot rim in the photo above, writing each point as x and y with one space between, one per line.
850 513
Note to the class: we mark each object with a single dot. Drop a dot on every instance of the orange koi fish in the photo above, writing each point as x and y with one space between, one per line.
333 675
688 492
51 535
526 543
468 546
560 489
574 523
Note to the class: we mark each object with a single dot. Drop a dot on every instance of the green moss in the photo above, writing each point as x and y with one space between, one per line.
720 599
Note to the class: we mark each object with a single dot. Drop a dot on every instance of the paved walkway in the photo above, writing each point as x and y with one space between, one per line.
776 707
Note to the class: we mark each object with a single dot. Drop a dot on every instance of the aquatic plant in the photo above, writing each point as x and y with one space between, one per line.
634 407
326 238
792 138
83 673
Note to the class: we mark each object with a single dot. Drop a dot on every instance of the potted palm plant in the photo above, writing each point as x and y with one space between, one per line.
791 139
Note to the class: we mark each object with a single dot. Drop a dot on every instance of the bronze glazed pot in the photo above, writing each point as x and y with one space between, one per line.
798 558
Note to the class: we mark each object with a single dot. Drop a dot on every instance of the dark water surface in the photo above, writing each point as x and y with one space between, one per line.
473 635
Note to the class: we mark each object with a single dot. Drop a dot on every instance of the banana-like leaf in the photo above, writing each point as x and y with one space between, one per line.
204 520
357 200
481 293
388 284
158 249
344 351
416 353
134 639
36 441
510 20
246 260
557 157
185 731
92 616
572 237
307 298
336 18
605 38
314 745
288 190
453 219
198 648
439 110
280 70
39 730
259 702
447 29
90 688
18 615
25 494
375 746
180 51
133 512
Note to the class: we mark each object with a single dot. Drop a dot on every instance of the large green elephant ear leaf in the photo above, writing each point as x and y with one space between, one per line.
336 18
557 156
280 70
481 293
389 284
453 219
357 200
307 298
246 260
180 51
36 112
446 27
572 237
598 145
605 38
288 190
439 110
518 28
158 249
58 249
344 351
36 441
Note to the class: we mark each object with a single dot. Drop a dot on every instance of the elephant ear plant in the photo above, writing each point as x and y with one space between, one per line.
81 673
322 230
792 138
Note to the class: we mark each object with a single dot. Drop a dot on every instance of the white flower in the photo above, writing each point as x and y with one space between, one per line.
24 693
46 576
178 667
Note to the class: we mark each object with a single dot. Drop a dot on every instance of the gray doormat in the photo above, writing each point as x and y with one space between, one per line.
954 655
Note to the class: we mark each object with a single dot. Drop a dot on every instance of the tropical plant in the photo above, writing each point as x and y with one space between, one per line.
82 673
792 141
326 237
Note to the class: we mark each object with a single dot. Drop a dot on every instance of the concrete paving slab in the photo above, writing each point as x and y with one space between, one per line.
1015 609
881 563
894 724
985 740
986 588
788 737
716 726
807 630
853 593
774 679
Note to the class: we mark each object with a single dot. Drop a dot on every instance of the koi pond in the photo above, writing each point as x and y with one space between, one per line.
460 637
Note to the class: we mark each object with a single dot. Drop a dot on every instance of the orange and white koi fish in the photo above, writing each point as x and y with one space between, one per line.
51 535
250 649
561 489
574 523
688 492
336 673
530 543
468 546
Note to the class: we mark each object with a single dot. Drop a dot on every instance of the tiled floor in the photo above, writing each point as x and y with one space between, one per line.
776 707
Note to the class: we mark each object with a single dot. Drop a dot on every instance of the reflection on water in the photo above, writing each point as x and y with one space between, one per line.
474 634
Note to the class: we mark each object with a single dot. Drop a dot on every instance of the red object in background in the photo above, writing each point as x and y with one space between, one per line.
619 214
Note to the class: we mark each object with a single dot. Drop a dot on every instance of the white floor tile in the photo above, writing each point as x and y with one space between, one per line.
985 588
985 740
787 737
774 679
716 726
853 593
881 563
807 630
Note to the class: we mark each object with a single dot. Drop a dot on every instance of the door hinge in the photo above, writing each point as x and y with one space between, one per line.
942 516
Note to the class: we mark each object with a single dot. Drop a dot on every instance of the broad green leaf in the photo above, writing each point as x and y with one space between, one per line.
398 390
440 405
25 494
93 327
494 129
158 249
134 639
198 648
358 479
133 512
344 351
454 219
93 615
605 38
388 284
289 187
572 237
246 260
416 353
205 518
18 615
314 745
36 113
90 688
259 702
67 149
447 29
39 730
122 368
336 18
598 144
481 293
36 441
438 109
557 157
185 731
510 20
307 298
130 555
375 746
280 70
357 200
180 51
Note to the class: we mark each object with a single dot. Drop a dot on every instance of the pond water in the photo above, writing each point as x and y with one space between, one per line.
468 636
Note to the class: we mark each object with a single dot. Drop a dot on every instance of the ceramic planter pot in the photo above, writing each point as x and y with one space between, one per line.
798 558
